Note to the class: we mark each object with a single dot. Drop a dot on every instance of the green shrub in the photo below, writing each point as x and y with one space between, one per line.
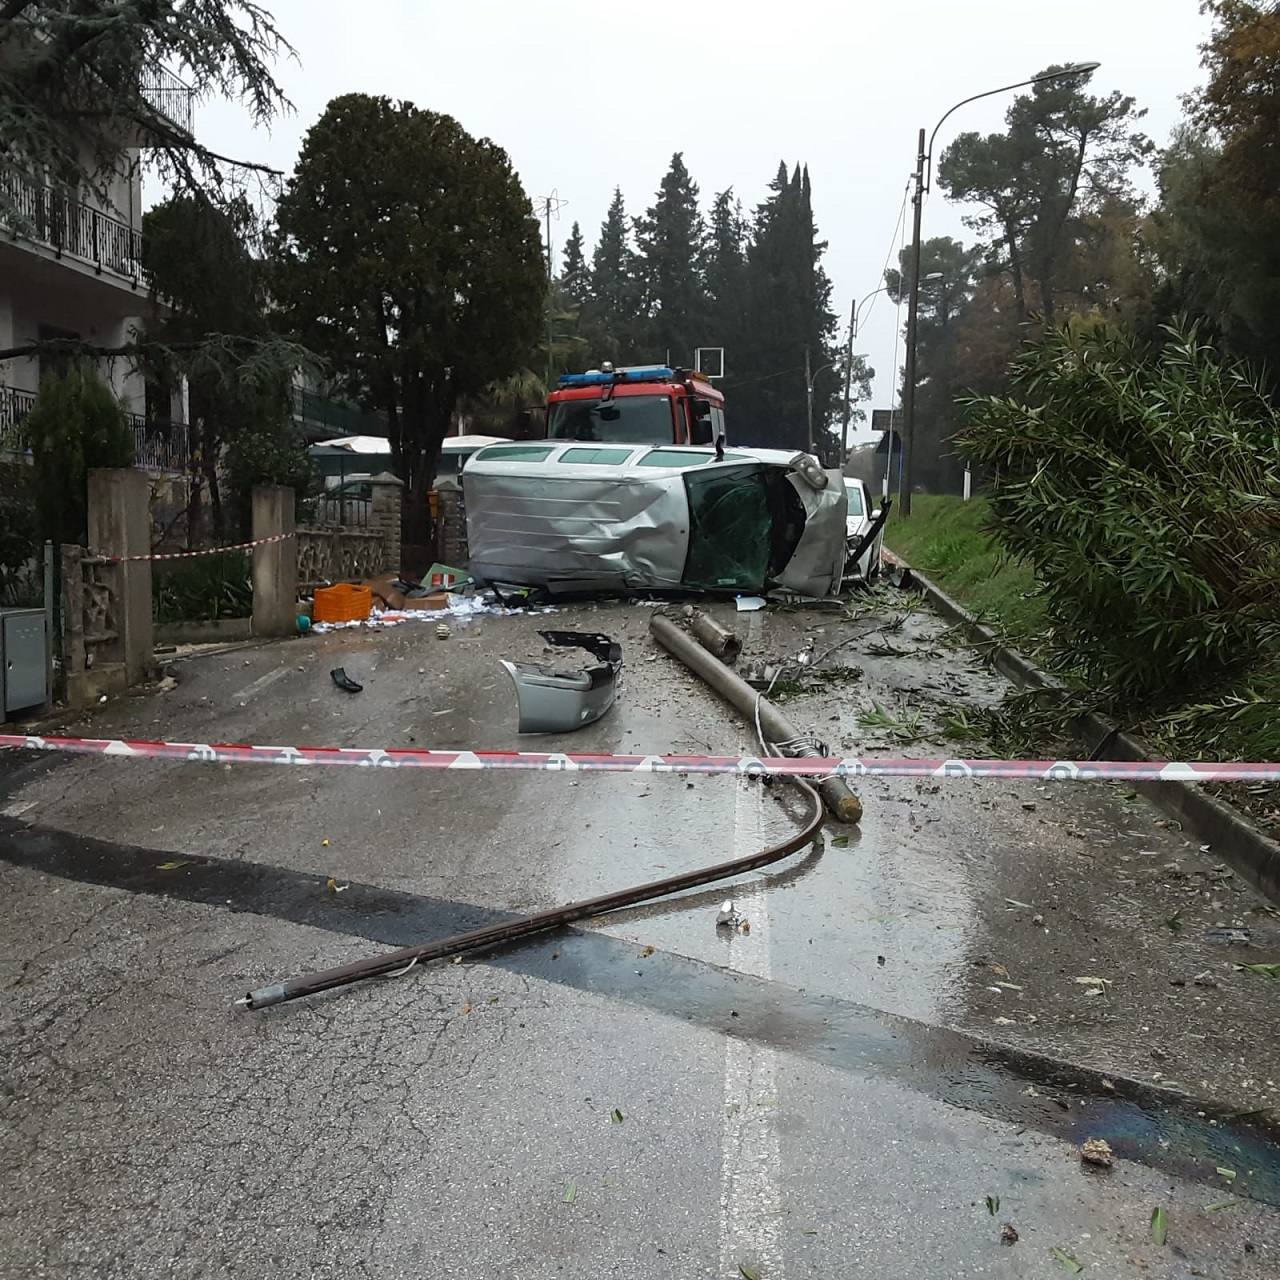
77 424
1143 488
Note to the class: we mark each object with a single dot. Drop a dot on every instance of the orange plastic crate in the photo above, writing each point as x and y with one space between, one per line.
343 602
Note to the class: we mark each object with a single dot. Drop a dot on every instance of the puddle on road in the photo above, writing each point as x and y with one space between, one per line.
1154 1127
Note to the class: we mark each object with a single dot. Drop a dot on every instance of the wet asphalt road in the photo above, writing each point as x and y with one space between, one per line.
900 1035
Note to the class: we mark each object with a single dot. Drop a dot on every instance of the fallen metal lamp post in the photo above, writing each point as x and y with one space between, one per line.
404 959
775 728
715 638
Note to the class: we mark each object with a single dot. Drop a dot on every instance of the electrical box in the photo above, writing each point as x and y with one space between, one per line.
24 650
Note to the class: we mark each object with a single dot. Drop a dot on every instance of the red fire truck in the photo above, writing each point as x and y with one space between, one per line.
643 404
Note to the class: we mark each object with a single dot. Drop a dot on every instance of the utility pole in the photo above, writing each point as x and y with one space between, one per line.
808 394
848 385
907 444
551 204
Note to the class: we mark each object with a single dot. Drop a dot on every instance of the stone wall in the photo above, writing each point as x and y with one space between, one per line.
338 555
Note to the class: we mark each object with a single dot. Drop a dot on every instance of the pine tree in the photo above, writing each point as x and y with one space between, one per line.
609 320
726 276
575 278
788 309
672 238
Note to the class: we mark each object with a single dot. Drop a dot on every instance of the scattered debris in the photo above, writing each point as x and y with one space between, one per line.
750 604
1205 979
1096 1151
1037 920
616 1116
646 953
1174 922
1013 902
174 865
1218 1205
344 681
442 631
1228 1174
551 701
167 684
1159 1226
727 915
1008 1233
993 1205
1234 937
1066 1261
334 887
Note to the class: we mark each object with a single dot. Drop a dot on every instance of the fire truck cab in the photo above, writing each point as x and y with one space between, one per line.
642 404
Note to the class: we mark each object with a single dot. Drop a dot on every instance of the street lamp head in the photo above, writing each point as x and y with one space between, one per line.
1071 69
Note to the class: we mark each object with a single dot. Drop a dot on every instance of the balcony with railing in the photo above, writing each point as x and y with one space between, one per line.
71 228
167 94
158 444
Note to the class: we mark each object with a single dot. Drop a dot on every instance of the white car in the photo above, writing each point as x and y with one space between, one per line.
861 517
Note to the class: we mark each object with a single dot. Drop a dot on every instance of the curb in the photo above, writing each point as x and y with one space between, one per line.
1247 849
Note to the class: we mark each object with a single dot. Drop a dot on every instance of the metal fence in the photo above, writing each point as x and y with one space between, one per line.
169 95
69 226
158 444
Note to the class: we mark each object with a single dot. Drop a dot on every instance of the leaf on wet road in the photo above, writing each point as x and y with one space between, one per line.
1229 1174
748 1271
1013 902
1266 970
615 1116
173 866
839 842
1218 1205
570 1192
1066 1261
993 1205
1159 1225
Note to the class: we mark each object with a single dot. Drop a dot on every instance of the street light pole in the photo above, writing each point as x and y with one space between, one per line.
913 316
924 174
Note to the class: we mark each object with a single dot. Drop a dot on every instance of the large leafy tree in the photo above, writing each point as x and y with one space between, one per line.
1217 230
672 242
409 256
939 373
1064 155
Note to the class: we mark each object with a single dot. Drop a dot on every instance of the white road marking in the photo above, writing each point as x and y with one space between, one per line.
750 1198
261 682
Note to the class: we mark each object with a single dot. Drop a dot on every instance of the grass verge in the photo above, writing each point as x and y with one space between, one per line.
945 538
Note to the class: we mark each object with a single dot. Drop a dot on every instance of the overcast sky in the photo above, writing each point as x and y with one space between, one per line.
585 96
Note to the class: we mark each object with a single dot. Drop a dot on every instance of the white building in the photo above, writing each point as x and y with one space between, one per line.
71 266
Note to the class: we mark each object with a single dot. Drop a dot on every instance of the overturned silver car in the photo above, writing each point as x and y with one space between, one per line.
573 518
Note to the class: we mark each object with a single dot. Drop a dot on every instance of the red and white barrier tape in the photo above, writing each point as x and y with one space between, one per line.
587 762
204 551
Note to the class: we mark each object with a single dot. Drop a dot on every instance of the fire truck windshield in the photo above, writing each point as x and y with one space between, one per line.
622 419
